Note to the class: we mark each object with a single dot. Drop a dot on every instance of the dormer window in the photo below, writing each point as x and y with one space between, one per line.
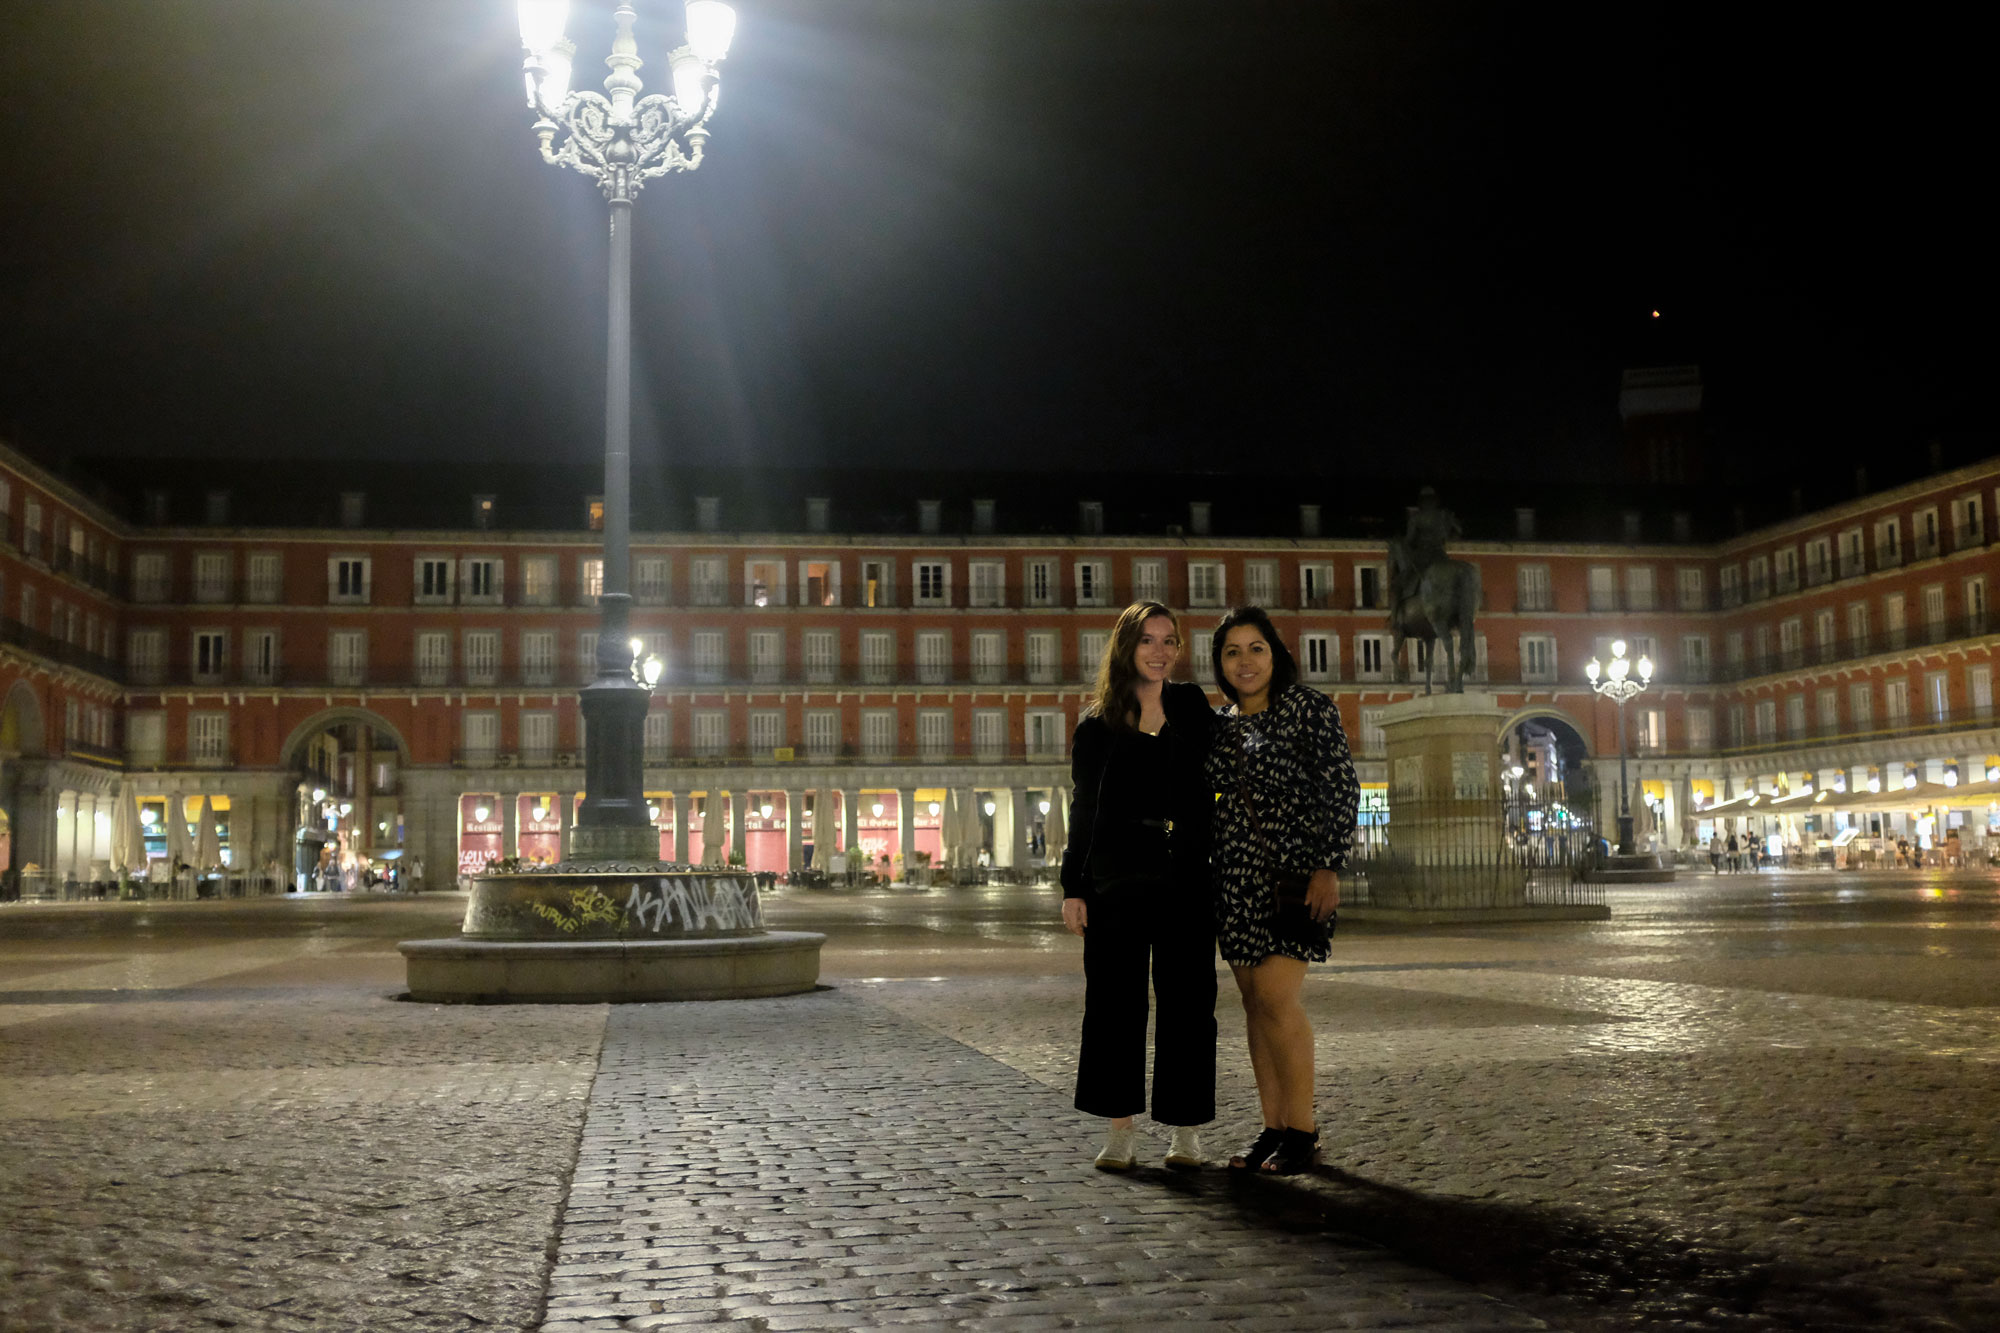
483 511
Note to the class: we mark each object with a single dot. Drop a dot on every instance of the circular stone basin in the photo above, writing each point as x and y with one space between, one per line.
573 901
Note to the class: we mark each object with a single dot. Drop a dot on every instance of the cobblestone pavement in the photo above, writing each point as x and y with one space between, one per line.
1756 1102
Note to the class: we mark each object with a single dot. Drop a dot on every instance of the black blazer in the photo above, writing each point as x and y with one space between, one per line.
1110 765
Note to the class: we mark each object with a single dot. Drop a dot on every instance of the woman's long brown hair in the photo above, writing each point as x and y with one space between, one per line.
1116 698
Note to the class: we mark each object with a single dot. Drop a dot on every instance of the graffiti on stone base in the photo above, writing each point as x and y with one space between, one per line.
687 904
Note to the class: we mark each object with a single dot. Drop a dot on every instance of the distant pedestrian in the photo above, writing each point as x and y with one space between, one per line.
1715 853
1734 857
1136 887
1284 823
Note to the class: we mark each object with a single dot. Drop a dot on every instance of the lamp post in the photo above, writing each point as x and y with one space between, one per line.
621 140
1614 680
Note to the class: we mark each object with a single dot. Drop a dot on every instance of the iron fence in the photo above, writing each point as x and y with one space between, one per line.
1473 854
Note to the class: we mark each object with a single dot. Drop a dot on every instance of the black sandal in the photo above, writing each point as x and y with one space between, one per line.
1298 1152
1253 1157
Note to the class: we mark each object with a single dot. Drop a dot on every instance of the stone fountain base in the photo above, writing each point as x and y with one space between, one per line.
592 933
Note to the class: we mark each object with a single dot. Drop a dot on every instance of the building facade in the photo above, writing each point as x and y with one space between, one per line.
413 690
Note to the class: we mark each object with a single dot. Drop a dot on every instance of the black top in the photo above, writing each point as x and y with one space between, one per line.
1119 776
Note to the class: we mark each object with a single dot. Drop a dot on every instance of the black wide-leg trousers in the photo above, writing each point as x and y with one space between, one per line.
1174 931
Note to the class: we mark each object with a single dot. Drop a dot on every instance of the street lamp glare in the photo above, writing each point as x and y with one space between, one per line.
1618 647
542 23
1593 669
652 670
1645 667
1619 669
1045 807
711 26
690 75
557 63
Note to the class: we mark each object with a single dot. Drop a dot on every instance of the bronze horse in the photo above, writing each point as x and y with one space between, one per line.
1439 605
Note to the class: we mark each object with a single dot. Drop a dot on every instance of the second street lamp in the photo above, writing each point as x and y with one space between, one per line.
621 140
1614 680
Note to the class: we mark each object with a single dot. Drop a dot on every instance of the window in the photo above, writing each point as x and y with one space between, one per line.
1041 582
1934 613
1731 582
1791 642
1819 561
989 583
1371 656
934 735
1481 664
1825 635
211 576
1925 523
767 656
433 578
1640 594
1649 729
1975 605
1889 543
1315 587
1205 583
878 734
586 656
1374 741
820 658
933 582
706 582
538 580
538 657
589 580
1828 702
433 657
1896 702
484 508
1795 716
1851 559
1760 578
1045 734
538 737
763 583
708 513
347 579
878 657
146 738
1531 588
347 656
982 516
208 738
711 733
1760 639
1201 653
1090 646
708 656
819 513
1767 721
1090 516
1260 582
210 656
31 527
1093 583
767 732
146 656
149 576
930 515
878 583
1967 522
1538 658
1738 730
1694 658
1861 704
989 656
819 583
266 577
1857 628
933 657
989 734
822 733
1788 569
649 581
1700 729
480 580
1979 689
260 656
1937 695
482 657
1317 656
1149 581
1041 656
1603 588
1893 626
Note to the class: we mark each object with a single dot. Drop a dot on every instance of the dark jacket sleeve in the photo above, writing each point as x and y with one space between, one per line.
1323 749
1090 750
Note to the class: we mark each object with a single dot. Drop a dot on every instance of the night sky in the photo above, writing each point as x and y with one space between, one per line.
1415 238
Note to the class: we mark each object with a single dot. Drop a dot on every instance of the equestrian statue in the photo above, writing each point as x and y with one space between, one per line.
1432 598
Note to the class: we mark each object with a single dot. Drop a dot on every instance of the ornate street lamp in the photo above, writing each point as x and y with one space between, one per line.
620 140
1615 681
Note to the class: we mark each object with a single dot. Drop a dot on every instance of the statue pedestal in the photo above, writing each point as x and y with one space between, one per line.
1447 856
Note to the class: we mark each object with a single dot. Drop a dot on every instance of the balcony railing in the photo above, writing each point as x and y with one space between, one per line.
1851 649
1912 727
850 755
59 650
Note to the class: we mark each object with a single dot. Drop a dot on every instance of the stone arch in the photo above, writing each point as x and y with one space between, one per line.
1537 712
21 728
288 755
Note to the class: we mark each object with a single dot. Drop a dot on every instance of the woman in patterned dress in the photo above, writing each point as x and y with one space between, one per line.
1287 803
1136 888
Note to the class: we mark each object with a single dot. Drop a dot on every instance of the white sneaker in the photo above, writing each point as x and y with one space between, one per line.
1119 1151
1185 1151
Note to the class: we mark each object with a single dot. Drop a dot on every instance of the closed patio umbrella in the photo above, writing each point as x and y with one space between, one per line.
180 847
207 846
124 834
712 833
1055 828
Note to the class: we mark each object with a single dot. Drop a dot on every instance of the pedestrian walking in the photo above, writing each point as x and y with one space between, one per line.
1136 888
1284 821
1734 857
1715 852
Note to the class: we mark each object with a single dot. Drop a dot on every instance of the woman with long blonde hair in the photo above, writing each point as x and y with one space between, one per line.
1136 888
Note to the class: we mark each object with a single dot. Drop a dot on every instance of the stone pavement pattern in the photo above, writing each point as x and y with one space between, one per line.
822 1163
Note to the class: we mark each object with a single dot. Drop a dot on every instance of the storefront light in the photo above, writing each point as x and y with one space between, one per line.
989 808
876 809
149 817
346 807
653 813
764 810
1909 781
934 808
541 813
1044 807
319 793
480 813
